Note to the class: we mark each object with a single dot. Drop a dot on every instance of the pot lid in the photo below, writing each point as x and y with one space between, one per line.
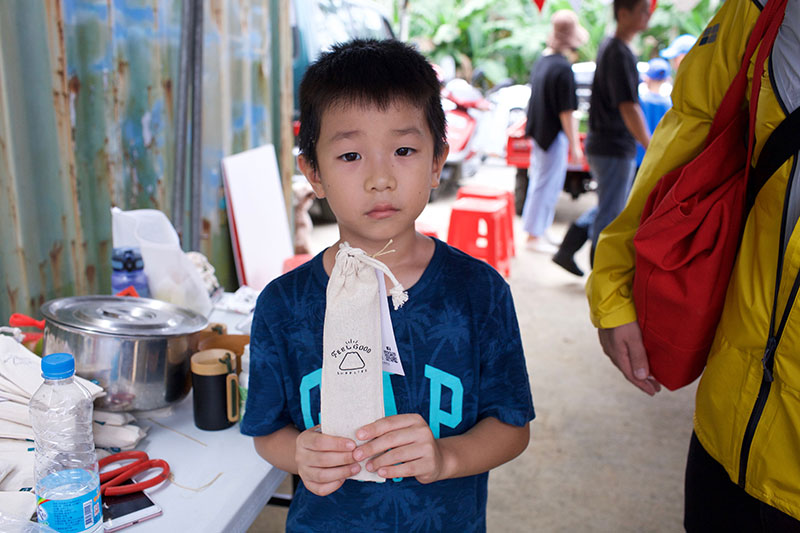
118 315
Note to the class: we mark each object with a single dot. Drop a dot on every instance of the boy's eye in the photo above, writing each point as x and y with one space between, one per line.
405 150
350 157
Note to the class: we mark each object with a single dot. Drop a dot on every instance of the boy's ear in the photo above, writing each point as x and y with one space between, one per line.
438 165
311 174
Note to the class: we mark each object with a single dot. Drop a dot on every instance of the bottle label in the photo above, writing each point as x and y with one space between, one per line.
70 516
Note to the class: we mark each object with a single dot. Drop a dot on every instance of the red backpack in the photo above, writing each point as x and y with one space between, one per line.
691 226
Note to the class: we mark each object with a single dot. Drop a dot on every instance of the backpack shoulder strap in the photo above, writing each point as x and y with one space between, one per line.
783 142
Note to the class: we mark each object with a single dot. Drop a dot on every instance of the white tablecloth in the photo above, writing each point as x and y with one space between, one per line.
241 482
238 482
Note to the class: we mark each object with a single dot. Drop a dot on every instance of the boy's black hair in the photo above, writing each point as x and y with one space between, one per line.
368 72
630 5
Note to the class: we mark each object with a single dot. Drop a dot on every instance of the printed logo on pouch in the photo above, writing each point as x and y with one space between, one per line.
351 361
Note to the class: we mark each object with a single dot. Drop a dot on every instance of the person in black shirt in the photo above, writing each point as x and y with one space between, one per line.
552 126
615 124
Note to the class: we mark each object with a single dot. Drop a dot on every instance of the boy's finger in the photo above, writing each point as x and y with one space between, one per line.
405 470
323 489
393 457
370 449
378 445
385 425
329 459
327 443
328 475
401 439
379 427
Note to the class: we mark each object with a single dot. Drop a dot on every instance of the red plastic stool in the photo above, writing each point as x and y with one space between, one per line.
483 191
426 229
478 227
295 261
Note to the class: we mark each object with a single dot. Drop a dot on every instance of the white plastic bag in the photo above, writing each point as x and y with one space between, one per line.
171 275
12 524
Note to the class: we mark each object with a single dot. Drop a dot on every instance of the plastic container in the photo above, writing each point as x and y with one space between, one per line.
128 269
65 472
171 275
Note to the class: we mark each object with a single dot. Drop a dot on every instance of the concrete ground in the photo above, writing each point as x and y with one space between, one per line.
603 456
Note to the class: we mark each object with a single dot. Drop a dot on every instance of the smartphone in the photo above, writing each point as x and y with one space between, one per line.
126 510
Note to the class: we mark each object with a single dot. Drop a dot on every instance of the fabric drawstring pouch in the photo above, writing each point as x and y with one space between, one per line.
351 393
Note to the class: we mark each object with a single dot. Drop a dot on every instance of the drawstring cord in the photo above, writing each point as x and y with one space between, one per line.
384 251
397 292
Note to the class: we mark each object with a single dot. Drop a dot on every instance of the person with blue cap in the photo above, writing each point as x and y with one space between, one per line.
658 70
652 100
678 48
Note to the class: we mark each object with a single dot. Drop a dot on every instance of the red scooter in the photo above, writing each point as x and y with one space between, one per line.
464 107
518 154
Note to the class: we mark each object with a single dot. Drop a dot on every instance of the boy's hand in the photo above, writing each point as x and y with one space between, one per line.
407 447
324 461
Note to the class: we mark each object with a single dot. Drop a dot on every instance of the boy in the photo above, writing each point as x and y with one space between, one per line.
616 123
653 103
372 143
615 117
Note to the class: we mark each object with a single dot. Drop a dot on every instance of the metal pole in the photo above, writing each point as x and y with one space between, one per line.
181 126
197 126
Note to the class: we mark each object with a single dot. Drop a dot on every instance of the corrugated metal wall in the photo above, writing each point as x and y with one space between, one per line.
87 121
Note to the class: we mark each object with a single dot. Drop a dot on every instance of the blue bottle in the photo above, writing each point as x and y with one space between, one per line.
128 269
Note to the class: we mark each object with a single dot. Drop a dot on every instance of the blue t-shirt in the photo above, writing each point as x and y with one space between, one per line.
654 106
460 346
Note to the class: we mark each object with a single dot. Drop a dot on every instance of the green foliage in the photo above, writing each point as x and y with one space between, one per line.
504 38
667 22
501 37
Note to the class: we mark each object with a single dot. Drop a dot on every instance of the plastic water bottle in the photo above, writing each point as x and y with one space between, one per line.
128 269
65 471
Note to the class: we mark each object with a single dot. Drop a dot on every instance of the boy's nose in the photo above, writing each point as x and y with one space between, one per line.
381 177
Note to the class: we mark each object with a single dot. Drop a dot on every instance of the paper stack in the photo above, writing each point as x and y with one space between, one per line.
20 376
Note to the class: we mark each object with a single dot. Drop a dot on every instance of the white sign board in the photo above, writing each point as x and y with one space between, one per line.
256 215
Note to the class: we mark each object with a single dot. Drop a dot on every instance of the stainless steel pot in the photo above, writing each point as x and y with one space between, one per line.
137 349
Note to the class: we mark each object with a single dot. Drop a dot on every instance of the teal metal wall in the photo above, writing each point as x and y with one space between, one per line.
87 121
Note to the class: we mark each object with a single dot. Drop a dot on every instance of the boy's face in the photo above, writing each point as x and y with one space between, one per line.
376 168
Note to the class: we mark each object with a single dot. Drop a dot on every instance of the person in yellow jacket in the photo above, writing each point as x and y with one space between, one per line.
743 470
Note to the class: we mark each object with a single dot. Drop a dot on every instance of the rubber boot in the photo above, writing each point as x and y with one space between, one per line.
565 256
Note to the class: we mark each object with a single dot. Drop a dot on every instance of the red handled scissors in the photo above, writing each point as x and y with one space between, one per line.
110 480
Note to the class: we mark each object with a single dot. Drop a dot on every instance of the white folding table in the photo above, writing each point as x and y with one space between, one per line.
220 483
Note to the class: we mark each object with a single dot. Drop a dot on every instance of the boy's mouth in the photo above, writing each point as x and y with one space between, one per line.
382 211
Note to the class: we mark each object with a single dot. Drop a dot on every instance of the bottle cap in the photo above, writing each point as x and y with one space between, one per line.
127 259
58 366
